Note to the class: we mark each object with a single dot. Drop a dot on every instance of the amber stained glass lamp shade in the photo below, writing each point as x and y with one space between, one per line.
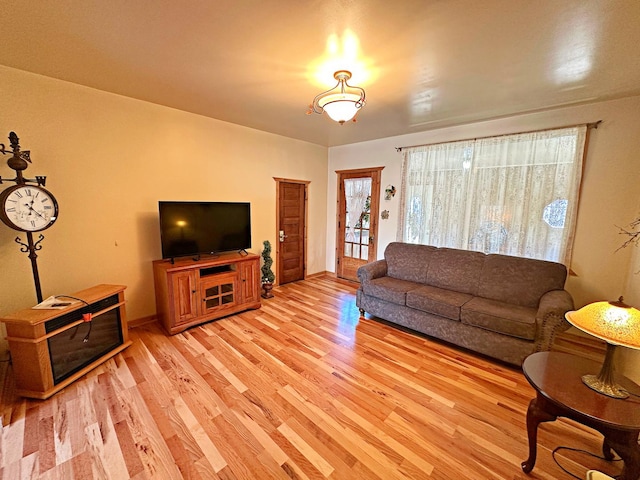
616 323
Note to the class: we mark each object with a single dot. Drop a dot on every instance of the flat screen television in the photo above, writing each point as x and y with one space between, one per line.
195 228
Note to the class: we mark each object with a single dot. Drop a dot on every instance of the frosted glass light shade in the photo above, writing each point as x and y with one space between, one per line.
341 107
341 102
613 322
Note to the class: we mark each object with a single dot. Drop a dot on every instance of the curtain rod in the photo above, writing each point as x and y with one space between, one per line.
589 126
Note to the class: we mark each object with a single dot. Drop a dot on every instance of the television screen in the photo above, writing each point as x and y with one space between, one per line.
192 228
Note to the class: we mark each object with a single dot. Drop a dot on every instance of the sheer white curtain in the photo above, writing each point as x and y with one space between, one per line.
356 191
513 194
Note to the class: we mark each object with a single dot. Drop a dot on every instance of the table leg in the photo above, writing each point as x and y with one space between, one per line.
607 451
625 444
536 414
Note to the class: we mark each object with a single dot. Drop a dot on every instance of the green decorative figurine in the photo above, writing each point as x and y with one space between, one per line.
267 275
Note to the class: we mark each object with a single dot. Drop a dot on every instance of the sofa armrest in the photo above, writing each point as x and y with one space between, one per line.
550 317
372 270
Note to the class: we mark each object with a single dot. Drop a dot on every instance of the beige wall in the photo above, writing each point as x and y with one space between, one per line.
609 197
631 358
109 159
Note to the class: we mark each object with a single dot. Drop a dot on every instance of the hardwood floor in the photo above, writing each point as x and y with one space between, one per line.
303 389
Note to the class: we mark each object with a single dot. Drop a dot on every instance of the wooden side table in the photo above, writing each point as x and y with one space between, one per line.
556 377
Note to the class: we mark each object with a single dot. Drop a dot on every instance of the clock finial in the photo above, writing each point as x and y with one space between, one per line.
14 141
18 160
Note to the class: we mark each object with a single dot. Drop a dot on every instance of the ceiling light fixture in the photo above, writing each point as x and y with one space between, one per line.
342 102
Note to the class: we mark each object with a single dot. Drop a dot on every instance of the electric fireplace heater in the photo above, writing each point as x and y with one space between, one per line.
52 348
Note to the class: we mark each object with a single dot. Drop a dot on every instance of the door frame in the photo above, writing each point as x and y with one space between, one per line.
306 183
376 179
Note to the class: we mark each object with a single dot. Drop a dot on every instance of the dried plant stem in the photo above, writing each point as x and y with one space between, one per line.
632 232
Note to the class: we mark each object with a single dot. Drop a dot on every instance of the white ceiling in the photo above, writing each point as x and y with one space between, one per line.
424 63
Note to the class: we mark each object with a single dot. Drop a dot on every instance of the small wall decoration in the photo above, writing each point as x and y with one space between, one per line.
385 215
389 192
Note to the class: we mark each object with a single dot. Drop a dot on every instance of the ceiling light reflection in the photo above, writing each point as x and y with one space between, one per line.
341 53
424 95
575 47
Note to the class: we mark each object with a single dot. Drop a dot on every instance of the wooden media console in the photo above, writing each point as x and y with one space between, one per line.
190 292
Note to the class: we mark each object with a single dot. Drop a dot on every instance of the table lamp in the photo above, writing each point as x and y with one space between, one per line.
617 324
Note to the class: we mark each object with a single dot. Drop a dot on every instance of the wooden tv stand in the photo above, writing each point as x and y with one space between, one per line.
52 348
190 292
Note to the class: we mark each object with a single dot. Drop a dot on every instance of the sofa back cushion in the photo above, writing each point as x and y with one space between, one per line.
457 270
406 261
519 281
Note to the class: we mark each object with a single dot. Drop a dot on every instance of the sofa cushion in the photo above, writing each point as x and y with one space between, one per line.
389 289
457 270
519 281
438 301
500 317
406 261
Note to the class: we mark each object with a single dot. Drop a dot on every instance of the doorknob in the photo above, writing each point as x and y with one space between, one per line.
371 239
282 236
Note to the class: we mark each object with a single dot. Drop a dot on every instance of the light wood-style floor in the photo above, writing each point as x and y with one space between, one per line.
300 389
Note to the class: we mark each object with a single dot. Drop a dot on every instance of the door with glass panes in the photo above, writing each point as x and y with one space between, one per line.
357 228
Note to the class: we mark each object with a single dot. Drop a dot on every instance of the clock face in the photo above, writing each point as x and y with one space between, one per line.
28 208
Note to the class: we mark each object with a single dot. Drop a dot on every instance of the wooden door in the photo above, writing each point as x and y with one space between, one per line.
291 239
357 228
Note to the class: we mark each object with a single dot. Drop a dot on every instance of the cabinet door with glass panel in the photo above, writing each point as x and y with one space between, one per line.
357 228
218 292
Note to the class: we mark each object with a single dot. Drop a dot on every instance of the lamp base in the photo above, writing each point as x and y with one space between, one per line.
604 382
609 389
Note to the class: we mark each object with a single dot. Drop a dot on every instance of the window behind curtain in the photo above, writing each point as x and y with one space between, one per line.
513 194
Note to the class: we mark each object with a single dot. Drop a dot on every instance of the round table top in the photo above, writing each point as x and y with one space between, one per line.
558 377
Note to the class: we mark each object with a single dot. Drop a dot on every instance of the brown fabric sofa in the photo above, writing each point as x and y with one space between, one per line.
501 306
